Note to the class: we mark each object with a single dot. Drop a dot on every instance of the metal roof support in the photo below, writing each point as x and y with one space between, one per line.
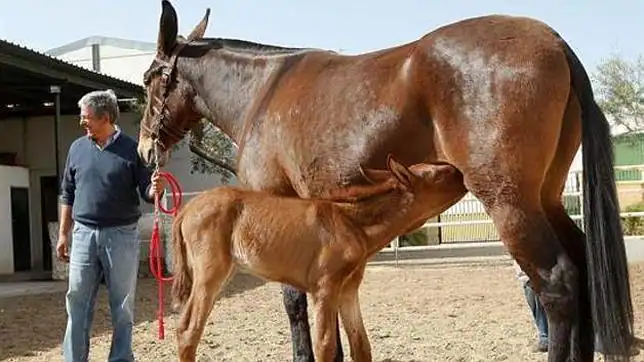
55 89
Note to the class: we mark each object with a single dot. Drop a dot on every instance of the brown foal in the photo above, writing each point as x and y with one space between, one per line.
320 246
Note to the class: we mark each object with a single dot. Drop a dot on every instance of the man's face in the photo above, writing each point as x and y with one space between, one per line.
93 125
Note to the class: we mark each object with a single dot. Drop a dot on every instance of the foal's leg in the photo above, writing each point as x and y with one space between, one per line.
352 318
326 317
208 282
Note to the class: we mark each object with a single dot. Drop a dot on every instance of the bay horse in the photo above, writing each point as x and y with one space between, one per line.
502 98
320 246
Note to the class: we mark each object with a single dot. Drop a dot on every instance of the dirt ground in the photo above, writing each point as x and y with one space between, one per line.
412 313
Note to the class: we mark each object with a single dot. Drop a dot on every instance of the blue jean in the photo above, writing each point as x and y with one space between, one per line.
538 313
112 253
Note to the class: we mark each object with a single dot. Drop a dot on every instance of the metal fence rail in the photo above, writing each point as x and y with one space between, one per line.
466 221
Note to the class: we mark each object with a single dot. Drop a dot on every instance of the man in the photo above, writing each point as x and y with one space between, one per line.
538 313
99 192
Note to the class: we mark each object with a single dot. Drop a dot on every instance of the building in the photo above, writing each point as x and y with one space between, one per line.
35 141
38 122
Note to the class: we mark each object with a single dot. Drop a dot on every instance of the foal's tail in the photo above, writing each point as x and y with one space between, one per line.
182 278
608 276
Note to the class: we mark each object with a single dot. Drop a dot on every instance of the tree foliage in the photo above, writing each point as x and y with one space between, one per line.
619 85
214 143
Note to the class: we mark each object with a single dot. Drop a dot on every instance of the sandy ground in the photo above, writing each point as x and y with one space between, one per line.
419 313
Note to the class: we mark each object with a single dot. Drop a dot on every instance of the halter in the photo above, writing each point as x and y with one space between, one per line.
161 115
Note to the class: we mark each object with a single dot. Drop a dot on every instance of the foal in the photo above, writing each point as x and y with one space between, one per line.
263 233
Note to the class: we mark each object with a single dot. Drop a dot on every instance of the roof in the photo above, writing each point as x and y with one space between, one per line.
102 40
26 76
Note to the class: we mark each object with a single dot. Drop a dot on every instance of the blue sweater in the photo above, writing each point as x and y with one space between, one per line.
101 185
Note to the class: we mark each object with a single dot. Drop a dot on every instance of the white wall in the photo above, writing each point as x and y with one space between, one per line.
33 140
127 64
9 176
81 57
122 63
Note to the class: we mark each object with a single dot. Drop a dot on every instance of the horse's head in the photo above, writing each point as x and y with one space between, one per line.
170 111
433 186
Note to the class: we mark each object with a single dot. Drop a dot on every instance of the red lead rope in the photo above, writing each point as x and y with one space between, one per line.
156 249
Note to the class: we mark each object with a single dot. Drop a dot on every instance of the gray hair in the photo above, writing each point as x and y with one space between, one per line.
102 102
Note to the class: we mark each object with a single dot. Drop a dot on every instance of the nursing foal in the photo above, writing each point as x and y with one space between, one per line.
320 246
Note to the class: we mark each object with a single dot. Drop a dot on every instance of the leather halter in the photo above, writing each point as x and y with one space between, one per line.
162 120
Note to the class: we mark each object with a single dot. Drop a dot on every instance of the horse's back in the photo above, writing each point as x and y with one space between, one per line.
469 92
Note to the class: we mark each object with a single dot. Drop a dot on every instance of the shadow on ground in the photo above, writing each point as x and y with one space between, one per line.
33 323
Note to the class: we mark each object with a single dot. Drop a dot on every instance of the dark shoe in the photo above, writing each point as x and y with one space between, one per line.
542 346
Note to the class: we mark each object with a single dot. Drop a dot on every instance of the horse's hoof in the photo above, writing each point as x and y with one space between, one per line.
542 346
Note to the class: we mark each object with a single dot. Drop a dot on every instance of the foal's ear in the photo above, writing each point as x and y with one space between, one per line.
168 29
402 173
438 172
375 176
199 30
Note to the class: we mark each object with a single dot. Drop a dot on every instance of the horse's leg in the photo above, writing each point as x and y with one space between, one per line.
569 234
504 141
326 317
296 306
531 240
206 286
572 238
352 318
295 303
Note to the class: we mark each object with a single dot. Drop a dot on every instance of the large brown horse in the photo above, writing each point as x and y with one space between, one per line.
502 98
321 246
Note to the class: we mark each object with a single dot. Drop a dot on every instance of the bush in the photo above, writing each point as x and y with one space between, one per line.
415 238
572 204
633 225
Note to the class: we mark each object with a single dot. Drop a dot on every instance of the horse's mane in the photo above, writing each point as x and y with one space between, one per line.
200 46
246 46
356 193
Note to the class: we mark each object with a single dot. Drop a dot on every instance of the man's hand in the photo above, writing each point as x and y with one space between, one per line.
158 185
62 248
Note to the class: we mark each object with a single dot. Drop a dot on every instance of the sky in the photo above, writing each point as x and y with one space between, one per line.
596 29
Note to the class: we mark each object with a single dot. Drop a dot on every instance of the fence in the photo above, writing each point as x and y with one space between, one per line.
467 222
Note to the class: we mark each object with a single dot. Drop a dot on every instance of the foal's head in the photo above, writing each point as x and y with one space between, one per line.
430 187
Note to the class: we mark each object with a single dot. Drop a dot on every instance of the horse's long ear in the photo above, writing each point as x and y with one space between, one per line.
168 28
200 29
401 172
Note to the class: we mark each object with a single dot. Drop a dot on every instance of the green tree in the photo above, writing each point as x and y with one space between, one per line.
619 86
213 151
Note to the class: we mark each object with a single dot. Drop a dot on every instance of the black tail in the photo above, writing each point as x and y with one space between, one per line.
608 277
